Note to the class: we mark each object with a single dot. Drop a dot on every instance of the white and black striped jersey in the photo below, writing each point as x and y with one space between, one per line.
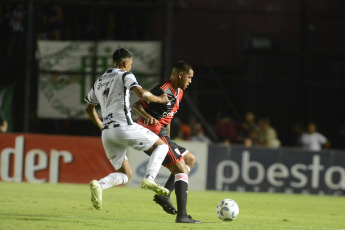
112 92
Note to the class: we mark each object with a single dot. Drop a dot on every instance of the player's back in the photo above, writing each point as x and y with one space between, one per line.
113 96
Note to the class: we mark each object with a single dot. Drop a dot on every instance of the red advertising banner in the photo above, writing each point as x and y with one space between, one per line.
52 158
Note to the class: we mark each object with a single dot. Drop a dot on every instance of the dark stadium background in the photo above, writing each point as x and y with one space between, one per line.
282 59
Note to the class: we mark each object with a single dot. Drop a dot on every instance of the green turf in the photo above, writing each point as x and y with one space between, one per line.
67 206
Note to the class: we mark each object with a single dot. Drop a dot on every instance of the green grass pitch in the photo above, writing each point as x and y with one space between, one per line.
68 206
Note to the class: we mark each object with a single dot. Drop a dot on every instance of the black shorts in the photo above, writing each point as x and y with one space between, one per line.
175 152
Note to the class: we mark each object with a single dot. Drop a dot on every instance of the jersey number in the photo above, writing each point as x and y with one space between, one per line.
106 92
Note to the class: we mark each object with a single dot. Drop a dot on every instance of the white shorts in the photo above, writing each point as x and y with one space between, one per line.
116 140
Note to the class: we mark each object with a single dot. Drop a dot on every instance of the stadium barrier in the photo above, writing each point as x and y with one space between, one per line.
51 158
75 159
238 168
283 170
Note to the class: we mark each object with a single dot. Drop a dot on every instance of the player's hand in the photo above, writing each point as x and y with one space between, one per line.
151 120
164 98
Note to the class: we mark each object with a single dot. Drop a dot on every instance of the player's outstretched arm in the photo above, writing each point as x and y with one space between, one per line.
140 111
91 111
148 96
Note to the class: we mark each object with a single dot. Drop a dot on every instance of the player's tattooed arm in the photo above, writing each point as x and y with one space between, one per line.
148 96
140 111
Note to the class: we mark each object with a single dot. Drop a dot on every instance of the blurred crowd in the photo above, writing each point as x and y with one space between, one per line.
251 132
13 25
67 22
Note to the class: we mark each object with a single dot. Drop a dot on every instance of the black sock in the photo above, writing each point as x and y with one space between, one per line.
170 184
181 191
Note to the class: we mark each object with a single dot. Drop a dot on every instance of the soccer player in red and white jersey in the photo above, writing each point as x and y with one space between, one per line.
157 117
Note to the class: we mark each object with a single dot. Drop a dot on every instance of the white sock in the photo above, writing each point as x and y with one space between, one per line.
155 161
181 177
113 179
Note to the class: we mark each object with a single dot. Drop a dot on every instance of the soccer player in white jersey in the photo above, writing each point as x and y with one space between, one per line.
111 92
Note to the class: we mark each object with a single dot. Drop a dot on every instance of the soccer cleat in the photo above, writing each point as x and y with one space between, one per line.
151 185
187 219
165 203
96 194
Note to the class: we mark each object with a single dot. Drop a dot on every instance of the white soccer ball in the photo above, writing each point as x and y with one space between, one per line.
227 209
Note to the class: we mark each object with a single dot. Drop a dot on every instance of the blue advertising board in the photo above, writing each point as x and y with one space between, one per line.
284 170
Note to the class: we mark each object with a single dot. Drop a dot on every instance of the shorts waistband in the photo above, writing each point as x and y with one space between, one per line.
110 126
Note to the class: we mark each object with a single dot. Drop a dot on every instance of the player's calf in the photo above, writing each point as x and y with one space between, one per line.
189 159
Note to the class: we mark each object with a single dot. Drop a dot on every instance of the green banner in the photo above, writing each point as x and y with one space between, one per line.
67 70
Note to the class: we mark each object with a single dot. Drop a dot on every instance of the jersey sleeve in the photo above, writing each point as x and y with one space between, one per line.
91 97
129 80
157 91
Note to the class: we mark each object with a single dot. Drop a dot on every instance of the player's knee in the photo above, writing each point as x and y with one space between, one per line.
178 167
190 159
182 170
158 143
164 147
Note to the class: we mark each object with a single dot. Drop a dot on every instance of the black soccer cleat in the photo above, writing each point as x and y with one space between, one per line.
165 203
187 219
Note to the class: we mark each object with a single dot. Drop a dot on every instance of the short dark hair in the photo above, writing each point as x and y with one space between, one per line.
120 54
182 66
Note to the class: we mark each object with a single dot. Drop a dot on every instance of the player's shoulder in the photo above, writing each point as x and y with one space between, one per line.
165 85
126 73
158 87
109 74
162 87
116 71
